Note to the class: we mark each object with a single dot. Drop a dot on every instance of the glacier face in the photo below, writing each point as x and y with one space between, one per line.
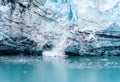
94 25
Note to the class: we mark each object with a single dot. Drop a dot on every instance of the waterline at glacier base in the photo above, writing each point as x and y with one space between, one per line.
59 40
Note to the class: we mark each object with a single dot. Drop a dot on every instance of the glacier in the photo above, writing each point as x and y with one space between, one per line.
60 27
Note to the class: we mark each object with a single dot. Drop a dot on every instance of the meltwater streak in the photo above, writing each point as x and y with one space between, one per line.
58 50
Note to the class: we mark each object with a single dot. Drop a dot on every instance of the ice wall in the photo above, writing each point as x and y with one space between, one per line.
62 22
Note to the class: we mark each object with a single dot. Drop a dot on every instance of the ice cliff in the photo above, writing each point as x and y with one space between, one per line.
57 27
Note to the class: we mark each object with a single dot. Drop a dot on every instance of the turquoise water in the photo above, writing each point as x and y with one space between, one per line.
59 69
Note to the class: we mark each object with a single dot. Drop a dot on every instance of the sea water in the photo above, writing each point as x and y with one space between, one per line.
59 69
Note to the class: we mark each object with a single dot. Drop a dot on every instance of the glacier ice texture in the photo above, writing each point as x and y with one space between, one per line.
56 27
